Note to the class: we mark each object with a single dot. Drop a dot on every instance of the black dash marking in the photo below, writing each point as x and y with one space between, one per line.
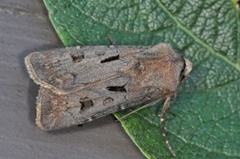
77 58
86 103
112 58
116 88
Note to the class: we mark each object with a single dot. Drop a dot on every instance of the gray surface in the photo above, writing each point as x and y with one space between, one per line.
24 28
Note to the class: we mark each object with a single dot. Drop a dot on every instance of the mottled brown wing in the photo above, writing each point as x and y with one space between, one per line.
55 111
72 69
149 75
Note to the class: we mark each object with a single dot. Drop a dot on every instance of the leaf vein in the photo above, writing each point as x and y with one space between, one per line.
198 40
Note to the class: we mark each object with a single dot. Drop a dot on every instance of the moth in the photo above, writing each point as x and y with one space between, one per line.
80 84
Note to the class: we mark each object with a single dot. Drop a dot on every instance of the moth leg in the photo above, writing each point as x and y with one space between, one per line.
173 113
162 121
138 109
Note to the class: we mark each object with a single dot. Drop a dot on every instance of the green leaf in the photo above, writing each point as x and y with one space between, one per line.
207 32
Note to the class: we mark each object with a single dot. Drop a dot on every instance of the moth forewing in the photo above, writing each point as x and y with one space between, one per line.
70 69
55 111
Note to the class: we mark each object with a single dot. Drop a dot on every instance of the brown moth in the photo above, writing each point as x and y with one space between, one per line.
80 84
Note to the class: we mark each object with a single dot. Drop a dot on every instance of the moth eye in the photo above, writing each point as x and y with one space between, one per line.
117 88
77 58
109 59
86 103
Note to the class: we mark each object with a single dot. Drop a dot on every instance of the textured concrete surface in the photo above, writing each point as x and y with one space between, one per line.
24 28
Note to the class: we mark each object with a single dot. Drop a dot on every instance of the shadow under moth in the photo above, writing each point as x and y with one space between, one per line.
80 84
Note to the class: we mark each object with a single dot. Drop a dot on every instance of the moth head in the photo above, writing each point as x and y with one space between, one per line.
186 70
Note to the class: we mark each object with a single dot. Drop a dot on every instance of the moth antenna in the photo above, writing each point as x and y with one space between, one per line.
138 109
162 121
